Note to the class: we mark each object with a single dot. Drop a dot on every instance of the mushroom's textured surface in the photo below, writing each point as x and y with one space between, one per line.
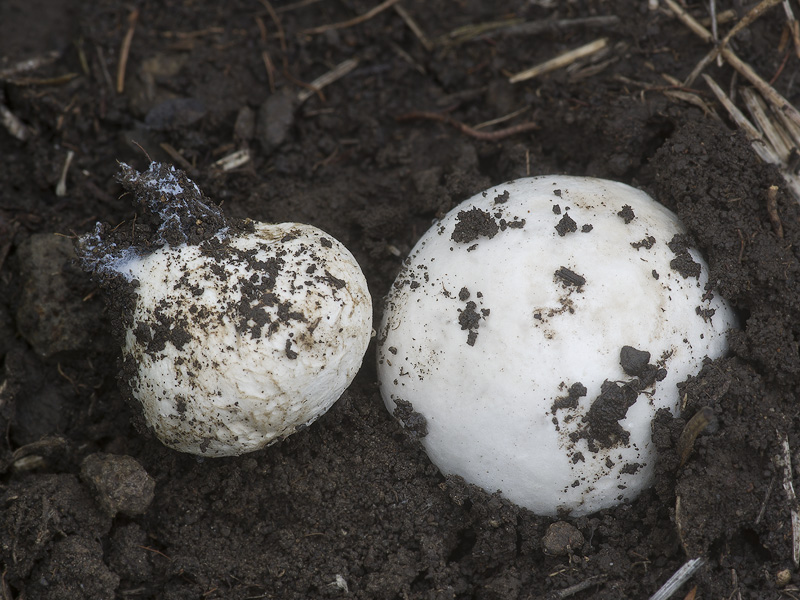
236 334
537 328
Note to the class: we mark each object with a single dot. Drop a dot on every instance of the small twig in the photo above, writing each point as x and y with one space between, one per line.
326 79
350 22
778 102
101 60
690 21
46 445
304 85
153 550
784 460
722 17
579 72
407 57
414 27
778 139
328 160
781 67
5 589
125 50
794 26
29 64
13 123
700 67
756 12
270 68
517 27
191 35
745 21
560 61
143 151
693 428
502 119
456 98
652 87
749 129
680 577
791 129
276 20
691 98
61 186
577 588
764 503
715 27
735 585
75 386
281 35
34 81
488 136
233 160
741 245
177 156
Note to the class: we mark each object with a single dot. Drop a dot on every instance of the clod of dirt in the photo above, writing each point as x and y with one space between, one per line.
415 423
633 361
74 569
562 538
566 224
120 483
275 119
26 537
473 224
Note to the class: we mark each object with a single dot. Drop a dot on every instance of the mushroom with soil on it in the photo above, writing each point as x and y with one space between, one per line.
534 332
234 333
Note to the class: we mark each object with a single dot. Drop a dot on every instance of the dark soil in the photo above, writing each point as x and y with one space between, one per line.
350 506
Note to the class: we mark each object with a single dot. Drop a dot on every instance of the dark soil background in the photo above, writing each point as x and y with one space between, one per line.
350 507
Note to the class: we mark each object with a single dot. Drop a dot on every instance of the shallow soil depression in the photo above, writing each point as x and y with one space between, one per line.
369 120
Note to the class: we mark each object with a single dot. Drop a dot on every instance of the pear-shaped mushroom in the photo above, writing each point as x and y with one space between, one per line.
234 334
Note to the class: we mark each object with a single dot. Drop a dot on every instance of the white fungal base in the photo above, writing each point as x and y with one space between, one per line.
518 295
237 343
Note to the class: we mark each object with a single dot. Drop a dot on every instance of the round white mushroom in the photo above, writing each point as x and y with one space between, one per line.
536 329
234 336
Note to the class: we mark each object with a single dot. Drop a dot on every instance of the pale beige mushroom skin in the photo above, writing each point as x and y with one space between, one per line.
266 332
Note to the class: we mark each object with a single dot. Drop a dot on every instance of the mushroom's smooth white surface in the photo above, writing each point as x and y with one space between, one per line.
536 329
236 336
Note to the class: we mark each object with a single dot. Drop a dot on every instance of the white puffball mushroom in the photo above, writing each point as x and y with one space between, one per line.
234 334
235 352
536 329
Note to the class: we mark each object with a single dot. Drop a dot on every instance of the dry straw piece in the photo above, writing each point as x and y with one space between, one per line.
560 61
775 135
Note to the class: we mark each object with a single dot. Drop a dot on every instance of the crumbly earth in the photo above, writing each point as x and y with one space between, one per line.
350 507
